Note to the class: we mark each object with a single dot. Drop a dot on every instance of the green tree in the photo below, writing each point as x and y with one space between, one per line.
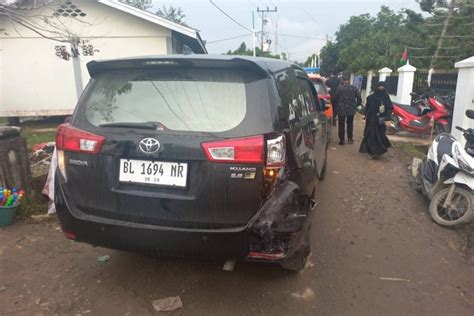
243 50
329 56
171 13
368 42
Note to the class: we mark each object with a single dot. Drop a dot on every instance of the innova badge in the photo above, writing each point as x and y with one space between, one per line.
149 145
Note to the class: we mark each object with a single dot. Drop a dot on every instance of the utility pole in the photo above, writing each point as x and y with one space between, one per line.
276 35
76 64
264 21
254 35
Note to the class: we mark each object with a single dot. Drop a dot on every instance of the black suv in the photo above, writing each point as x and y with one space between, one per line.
214 156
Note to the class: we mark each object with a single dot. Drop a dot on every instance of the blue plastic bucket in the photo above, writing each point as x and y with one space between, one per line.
7 213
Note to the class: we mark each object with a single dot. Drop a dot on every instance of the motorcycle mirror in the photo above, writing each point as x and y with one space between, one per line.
470 114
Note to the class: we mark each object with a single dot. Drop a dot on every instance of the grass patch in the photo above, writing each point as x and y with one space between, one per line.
412 150
36 205
40 131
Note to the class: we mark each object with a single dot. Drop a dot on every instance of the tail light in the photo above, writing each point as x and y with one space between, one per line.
73 139
249 150
70 138
276 152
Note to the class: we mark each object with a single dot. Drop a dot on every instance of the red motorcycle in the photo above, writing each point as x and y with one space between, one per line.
425 112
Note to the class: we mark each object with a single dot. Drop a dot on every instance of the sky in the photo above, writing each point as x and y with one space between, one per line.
302 25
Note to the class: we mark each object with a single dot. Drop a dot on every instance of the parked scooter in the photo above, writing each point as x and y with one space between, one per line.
447 178
416 118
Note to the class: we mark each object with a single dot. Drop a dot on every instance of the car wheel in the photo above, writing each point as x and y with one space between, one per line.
297 261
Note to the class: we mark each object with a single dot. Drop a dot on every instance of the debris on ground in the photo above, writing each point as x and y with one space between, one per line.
168 304
41 153
307 294
2 288
104 258
229 265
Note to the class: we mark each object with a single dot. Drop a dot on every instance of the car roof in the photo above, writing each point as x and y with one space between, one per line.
264 65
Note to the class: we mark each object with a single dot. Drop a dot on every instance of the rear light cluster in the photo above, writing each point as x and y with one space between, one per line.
70 138
248 150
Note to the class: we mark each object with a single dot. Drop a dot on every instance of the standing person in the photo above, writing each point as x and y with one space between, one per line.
333 82
377 111
347 99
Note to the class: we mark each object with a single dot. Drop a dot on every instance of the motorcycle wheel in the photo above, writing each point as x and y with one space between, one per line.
460 212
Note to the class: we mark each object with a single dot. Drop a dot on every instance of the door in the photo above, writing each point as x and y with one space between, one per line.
301 129
317 123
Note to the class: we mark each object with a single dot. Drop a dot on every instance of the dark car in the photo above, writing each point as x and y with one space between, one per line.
214 156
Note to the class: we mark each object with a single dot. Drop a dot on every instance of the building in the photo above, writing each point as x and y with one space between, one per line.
44 50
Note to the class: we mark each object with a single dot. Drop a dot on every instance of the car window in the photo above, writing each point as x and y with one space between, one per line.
308 95
291 96
319 86
208 100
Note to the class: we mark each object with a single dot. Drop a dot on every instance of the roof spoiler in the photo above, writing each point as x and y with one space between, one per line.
97 67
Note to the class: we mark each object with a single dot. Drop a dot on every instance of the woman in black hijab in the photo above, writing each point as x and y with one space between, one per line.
378 110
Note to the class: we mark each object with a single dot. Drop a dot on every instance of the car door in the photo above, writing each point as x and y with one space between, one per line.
299 124
317 122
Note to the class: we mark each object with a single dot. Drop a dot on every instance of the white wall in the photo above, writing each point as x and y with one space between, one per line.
34 81
464 97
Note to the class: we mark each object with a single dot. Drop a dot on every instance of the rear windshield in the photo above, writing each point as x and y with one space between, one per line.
319 86
208 100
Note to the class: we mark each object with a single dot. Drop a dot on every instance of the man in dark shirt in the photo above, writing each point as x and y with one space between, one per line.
333 83
347 99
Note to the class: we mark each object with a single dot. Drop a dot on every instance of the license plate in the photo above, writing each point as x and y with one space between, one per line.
153 172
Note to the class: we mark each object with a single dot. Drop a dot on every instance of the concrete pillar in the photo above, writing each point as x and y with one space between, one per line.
406 76
464 97
384 72
351 80
368 86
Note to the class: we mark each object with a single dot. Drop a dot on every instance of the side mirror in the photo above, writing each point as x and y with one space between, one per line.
470 114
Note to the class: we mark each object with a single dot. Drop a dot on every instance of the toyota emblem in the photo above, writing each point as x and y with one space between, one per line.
149 145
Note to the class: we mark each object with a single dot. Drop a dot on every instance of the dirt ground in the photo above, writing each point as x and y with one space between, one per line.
375 252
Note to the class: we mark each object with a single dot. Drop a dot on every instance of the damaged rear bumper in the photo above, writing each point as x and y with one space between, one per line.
274 233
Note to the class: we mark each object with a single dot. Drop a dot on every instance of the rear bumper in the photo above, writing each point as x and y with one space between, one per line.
271 231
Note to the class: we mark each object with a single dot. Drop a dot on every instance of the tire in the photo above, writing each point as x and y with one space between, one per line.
453 217
297 261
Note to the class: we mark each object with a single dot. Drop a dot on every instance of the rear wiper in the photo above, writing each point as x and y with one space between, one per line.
145 125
